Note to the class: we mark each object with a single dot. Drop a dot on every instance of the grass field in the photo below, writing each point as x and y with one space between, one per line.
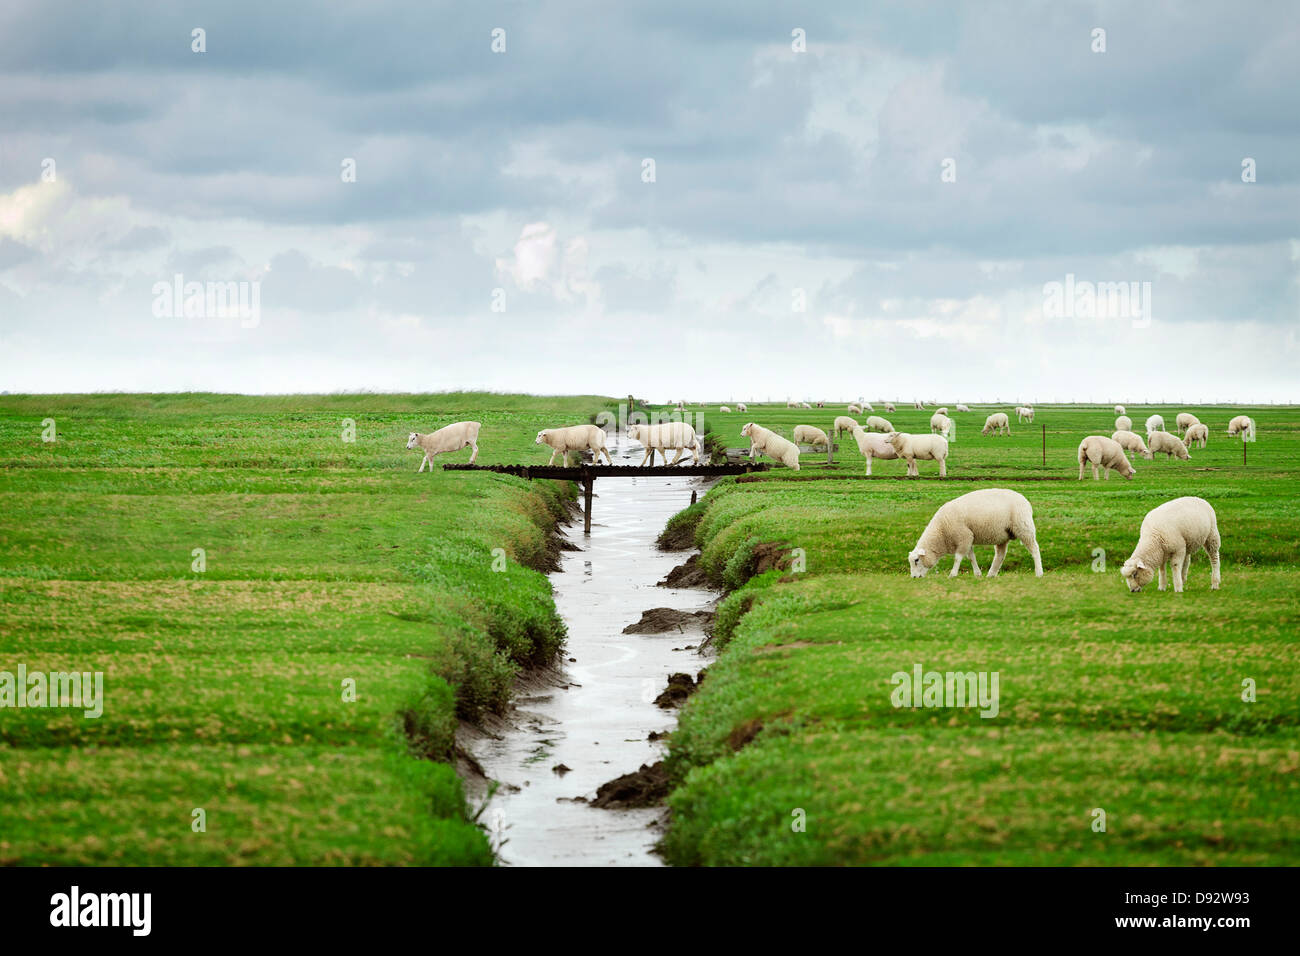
1127 703
325 561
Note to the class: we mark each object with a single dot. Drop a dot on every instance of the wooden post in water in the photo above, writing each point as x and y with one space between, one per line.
693 498
1044 446
830 451
588 485
1243 450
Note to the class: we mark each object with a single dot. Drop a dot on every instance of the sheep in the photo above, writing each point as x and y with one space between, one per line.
821 404
1156 423
1119 410
772 445
998 423
810 435
1169 444
962 408
924 447
919 405
1131 441
854 408
452 437
889 407
873 445
866 407
791 404
675 435
723 409
1243 424
941 411
574 438
741 407
804 405
1171 533
1197 433
1184 421
843 423
877 424
1103 452
1123 424
1025 413
991 516
941 424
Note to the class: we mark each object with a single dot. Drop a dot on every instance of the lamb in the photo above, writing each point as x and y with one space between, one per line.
1156 423
1171 533
889 407
452 437
1103 452
772 445
1169 444
1119 410
723 409
1123 424
675 435
991 516
1197 433
855 408
843 423
998 423
962 408
877 424
810 435
574 438
941 424
873 445
1184 421
1243 424
1024 413
1131 441
741 407
924 447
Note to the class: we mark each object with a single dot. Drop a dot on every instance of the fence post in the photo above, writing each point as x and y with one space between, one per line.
588 483
1044 446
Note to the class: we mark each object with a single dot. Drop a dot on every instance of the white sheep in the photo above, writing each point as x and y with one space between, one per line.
577 438
1184 421
1102 452
1123 424
843 423
771 444
924 447
1025 413
997 423
1119 410
724 410
1243 424
804 405
1131 441
1156 423
741 407
877 424
993 516
452 437
678 436
889 407
873 445
941 424
962 408
1171 533
919 405
1197 433
810 435
791 404
941 411
1169 444
866 407
854 408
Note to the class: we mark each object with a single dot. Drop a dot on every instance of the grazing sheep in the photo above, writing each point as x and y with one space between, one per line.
1119 410
993 516
1123 424
577 438
866 407
1197 433
1243 424
1156 423
810 435
1184 421
723 409
1131 441
873 445
843 423
1102 452
855 408
791 404
741 407
771 444
889 407
924 447
1171 533
1169 444
804 405
452 437
1024 413
998 423
919 404
962 408
678 436
941 411
941 424
877 424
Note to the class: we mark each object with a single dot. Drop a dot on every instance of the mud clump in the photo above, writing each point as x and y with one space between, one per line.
646 787
660 620
687 575
680 687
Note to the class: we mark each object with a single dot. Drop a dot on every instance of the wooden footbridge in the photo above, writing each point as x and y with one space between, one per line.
586 475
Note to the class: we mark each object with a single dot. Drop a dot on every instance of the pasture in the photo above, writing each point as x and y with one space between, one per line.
793 753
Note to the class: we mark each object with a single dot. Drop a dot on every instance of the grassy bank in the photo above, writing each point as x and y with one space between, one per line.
326 564
793 753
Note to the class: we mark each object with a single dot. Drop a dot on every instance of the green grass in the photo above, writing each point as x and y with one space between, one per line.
1131 703
326 561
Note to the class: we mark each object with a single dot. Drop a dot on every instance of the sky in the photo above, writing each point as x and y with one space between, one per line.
723 201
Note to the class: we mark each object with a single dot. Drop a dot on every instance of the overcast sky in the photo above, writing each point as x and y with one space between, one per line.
862 200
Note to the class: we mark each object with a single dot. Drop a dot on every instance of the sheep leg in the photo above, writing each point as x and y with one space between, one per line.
604 451
551 460
970 553
677 457
1187 566
424 461
1212 548
943 467
1161 571
956 563
473 445
1108 472
868 464
999 555
1176 563
1082 465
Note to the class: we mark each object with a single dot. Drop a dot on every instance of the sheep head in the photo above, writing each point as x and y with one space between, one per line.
1136 574
412 439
